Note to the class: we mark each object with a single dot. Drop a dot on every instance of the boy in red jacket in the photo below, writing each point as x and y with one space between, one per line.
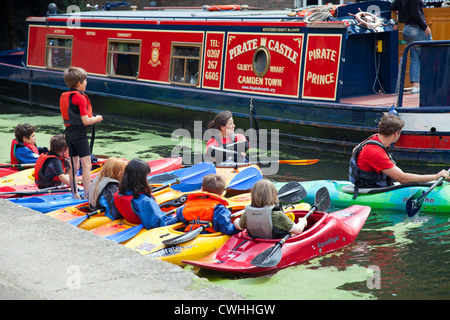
76 111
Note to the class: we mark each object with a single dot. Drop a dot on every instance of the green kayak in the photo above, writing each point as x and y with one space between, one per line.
381 199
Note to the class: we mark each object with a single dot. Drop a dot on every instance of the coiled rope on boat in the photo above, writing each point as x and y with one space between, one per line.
321 13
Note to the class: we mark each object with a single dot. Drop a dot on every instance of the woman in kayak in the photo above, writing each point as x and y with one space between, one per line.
23 146
225 145
265 218
134 200
207 206
105 185
50 169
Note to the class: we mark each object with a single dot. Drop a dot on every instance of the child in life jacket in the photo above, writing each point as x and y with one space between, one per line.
50 169
265 218
23 146
76 111
105 185
134 200
207 206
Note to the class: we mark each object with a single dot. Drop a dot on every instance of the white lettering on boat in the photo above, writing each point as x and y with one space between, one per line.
284 50
327 54
272 45
246 46
320 79
124 35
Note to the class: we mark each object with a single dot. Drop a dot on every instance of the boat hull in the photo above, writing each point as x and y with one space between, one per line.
390 201
328 232
149 242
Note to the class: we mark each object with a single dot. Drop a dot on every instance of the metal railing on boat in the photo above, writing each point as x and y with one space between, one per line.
403 60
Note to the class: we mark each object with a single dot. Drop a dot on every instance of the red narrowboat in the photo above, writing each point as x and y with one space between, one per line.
322 84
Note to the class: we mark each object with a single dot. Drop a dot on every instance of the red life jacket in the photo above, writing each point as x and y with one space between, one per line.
124 206
70 111
16 144
199 209
40 180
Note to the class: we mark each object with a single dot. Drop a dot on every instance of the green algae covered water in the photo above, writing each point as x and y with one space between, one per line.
392 258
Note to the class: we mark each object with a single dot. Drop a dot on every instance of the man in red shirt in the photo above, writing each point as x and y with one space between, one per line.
372 165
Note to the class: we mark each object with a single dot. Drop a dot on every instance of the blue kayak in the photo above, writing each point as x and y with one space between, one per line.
48 202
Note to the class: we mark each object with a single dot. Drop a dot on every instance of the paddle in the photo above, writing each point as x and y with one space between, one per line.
194 175
23 165
272 256
126 234
290 162
415 202
77 221
130 233
62 188
296 192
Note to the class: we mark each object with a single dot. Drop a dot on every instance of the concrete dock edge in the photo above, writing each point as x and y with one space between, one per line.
42 258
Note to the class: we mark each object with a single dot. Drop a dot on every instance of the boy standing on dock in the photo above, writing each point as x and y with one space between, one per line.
76 111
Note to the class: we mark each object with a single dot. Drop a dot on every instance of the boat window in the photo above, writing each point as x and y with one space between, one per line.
261 61
58 52
185 64
123 58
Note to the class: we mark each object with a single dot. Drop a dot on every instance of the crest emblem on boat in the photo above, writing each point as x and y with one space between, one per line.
154 60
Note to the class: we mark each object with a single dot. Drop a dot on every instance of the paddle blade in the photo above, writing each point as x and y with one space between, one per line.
185 237
414 204
292 192
271 256
245 179
77 221
306 162
322 200
126 234
162 178
195 174
268 258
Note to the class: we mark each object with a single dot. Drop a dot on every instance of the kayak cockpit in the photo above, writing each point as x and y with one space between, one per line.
314 221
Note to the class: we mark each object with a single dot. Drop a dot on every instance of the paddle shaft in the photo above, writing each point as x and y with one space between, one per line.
23 165
431 188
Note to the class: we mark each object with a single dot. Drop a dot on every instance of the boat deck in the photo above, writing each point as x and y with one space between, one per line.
383 100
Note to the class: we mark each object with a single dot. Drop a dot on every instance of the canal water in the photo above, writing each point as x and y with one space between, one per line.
392 258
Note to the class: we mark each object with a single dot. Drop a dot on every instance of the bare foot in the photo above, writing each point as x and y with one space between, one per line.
76 196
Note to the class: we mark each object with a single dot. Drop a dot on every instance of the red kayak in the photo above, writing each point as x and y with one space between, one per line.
157 166
323 234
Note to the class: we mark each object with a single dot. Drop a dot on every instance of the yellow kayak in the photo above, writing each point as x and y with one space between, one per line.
73 212
149 242
21 177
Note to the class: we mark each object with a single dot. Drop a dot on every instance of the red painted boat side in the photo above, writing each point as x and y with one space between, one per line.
325 233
